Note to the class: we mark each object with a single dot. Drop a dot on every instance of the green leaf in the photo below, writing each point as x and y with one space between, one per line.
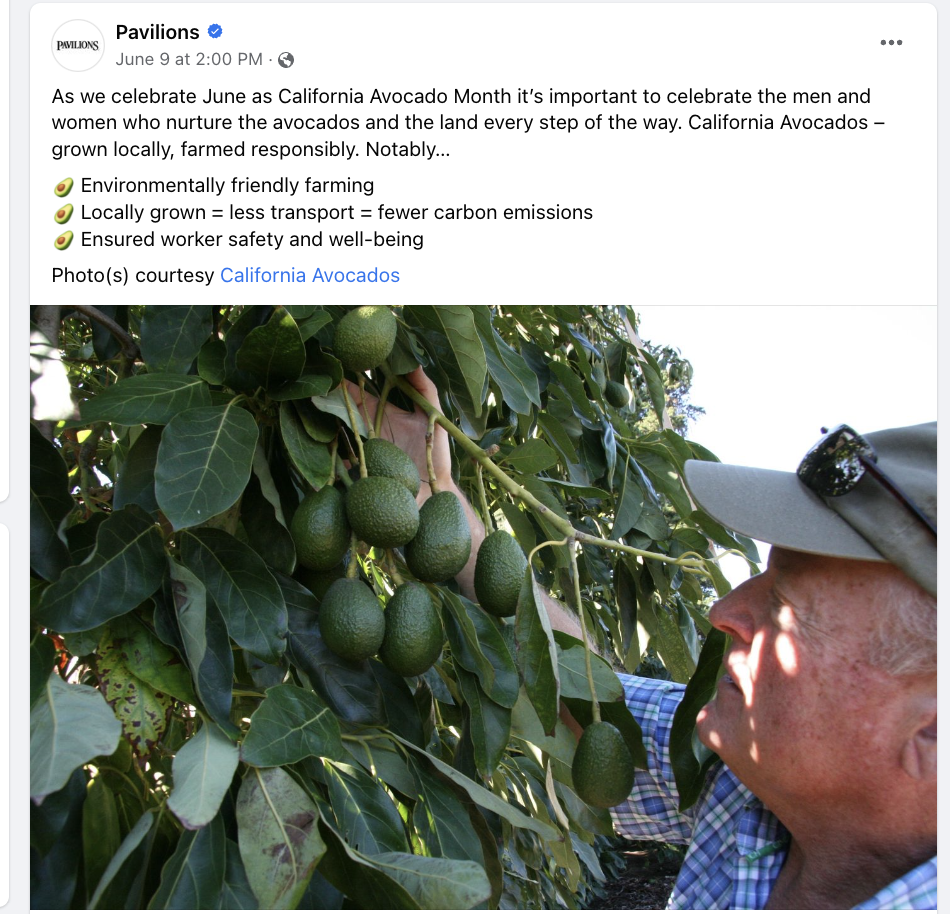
370 822
153 662
508 369
236 894
147 399
278 836
171 336
653 375
441 821
126 567
42 657
437 883
206 643
531 457
135 484
273 353
250 317
630 505
69 726
403 881
484 798
141 710
467 364
309 457
319 426
350 689
537 652
194 874
667 639
290 724
262 516
243 589
130 844
204 462
573 386
201 775
479 646
316 385
689 758
100 830
50 502
56 849
211 361
334 404
573 675
489 724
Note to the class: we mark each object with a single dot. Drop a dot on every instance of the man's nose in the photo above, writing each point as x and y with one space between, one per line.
734 614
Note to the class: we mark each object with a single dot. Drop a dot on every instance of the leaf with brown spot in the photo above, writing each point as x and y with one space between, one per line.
278 837
141 710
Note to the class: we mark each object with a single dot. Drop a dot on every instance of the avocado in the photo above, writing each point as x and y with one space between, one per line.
65 214
64 187
383 458
443 543
499 573
63 241
616 394
364 337
320 530
413 639
603 769
382 512
351 620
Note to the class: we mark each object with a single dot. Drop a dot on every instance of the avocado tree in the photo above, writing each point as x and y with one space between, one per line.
195 526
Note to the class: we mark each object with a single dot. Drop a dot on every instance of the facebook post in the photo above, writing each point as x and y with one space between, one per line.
482 455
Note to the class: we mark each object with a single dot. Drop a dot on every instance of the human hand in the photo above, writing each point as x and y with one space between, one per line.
407 430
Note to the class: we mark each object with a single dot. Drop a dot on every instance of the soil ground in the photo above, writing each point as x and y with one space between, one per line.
643 885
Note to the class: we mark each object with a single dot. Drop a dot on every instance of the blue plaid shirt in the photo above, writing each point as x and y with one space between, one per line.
736 846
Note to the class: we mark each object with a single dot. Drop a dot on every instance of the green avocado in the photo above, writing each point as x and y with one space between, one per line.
603 769
499 573
616 394
319 530
382 512
364 337
443 543
413 639
383 458
64 187
63 241
64 214
351 620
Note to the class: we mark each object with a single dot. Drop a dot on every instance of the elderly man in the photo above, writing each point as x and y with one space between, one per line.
826 720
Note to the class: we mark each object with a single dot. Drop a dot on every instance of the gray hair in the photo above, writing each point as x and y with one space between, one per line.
904 642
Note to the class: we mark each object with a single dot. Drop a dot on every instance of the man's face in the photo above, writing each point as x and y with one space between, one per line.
801 715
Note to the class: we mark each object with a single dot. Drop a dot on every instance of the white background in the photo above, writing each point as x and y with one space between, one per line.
696 217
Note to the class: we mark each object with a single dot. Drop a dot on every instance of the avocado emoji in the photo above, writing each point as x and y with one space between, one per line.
65 214
63 241
64 187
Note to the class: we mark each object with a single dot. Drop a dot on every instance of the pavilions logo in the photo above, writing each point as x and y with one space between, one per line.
78 45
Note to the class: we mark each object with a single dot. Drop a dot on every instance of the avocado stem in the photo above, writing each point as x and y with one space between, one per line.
391 568
430 435
595 704
351 568
381 404
356 432
370 430
342 473
483 500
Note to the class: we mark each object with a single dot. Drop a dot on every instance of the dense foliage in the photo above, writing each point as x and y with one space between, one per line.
194 742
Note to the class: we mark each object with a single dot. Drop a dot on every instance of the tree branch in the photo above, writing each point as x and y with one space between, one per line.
129 349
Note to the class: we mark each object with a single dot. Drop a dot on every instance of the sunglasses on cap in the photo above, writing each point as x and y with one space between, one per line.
839 461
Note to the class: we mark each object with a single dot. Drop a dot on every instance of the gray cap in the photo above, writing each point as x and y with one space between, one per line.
870 522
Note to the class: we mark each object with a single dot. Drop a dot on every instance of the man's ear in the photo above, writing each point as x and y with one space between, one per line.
919 755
